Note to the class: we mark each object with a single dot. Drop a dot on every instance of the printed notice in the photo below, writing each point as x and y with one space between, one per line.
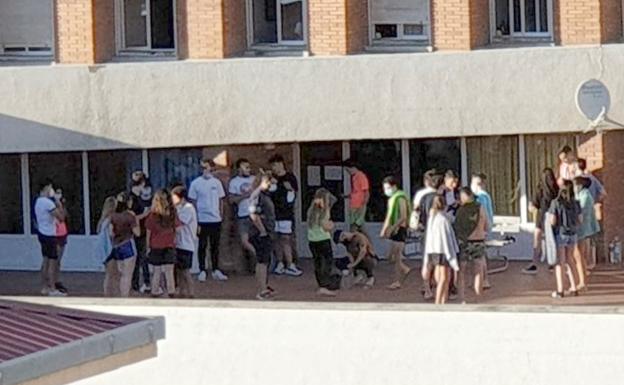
333 173
314 176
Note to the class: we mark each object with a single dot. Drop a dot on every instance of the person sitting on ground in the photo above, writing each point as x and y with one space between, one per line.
361 256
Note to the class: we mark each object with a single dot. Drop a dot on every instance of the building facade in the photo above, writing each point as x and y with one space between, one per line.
94 90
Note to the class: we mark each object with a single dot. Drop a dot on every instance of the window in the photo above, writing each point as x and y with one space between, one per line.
146 24
400 19
65 172
521 18
26 27
426 154
11 219
497 158
377 159
315 157
277 21
168 167
109 174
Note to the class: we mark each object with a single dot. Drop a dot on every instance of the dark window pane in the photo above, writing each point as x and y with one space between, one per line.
135 29
161 14
321 154
530 16
543 15
497 158
517 16
65 172
378 159
172 166
385 31
502 17
441 154
109 174
11 220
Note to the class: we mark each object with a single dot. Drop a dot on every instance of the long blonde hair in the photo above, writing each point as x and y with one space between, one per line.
163 208
108 208
319 208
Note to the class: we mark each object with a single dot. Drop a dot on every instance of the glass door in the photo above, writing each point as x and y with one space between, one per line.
290 21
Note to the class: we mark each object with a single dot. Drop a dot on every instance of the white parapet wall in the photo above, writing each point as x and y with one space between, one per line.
245 343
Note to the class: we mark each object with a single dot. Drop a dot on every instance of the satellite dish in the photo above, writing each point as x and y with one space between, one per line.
593 100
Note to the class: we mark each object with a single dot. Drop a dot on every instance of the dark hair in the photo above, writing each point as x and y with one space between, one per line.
336 236
451 174
277 158
438 203
566 194
123 202
179 191
565 150
210 162
582 181
548 185
45 183
479 175
350 163
582 164
390 180
240 162
428 176
437 180
468 191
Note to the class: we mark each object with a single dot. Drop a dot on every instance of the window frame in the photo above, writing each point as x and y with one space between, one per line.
120 31
34 50
400 26
522 34
249 21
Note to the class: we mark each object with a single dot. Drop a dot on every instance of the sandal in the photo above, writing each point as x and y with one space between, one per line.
394 286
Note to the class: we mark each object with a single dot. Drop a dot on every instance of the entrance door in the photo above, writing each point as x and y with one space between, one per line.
528 18
277 21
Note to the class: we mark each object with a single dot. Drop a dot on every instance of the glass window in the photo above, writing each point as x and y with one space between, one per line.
11 219
155 17
65 172
386 31
314 157
109 174
168 167
377 159
441 154
497 158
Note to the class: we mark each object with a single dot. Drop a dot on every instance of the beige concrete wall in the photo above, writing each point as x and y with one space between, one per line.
236 101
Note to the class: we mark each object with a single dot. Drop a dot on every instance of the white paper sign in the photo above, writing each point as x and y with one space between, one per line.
333 173
314 176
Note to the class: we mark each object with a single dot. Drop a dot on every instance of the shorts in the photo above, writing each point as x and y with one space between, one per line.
357 216
472 250
563 240
400 235
124 251
184 259
159 257
436 259
243 225
264 248
62 240
284 227
49 246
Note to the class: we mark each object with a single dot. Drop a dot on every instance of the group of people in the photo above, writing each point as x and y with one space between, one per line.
147 239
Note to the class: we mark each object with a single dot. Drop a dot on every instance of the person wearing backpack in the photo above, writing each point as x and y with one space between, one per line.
566 218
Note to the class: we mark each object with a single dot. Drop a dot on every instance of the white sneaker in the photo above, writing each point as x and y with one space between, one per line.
145 289
45 291
359 279
369 283
56 293
217 275
293 271
280 269
202 277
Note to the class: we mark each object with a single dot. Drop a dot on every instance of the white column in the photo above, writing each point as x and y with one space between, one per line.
296 155
25 180
464 161
86 193
524 208
145 162
405 166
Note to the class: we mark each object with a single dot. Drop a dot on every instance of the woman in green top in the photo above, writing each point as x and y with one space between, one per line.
588 227
395 228
320 226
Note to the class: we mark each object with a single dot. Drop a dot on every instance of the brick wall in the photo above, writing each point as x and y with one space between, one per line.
459 24
479 23
328 26
578 22
74 31
235 24
611 20
612 175
357 25
104 30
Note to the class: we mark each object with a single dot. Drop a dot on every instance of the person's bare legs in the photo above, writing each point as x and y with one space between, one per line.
169 279
261 277
45 284
400 268
53 271
125 268
480 268
156 279
569 250
186 280
284 242
486 277
247 246
111 278
460 283
580 258
441 276
426 273
559 269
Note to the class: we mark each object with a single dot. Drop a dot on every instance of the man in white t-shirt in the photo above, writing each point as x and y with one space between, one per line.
207 193
47 213
186 235
427 189
240 190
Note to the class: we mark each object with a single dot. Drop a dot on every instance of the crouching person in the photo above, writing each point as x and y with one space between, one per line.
361 256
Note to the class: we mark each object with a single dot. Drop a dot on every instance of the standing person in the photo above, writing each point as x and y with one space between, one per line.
284 192
206 193
471 228
104 246
395 228
320 226
418 198
361 256
440 247
425 205
240 189
359 196
124 227
186 235
141 201
47 213
588 228
161 227
568 167
262 214
451 194
61 234
596 188
565 219
546 191
478 186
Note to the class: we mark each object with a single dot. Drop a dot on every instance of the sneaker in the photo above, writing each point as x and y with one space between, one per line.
217 275
265 295
531 269
369 283
359 279
60 287
326 292
293 271
280 269
158 292
45 291
56 293
556 295
202 277
145 289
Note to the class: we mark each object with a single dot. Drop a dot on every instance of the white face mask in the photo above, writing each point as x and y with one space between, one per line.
388 191
58 197
273 187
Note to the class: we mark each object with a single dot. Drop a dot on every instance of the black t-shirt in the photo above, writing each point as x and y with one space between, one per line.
425 206
139 205
265 208
567 215
284 210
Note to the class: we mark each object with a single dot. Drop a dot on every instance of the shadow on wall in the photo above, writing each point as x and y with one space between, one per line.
22 135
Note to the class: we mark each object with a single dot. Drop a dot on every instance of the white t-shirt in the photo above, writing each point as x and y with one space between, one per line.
207 194
187 233
46 223
240 185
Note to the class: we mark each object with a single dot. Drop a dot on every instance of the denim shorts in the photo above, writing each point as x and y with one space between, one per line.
124 251
564 240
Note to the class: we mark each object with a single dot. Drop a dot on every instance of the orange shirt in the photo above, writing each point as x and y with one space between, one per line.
360 186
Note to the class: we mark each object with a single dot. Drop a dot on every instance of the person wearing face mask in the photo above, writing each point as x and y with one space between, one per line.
262 214
140 202
206 192
395 228
240 189
283 193
586 230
